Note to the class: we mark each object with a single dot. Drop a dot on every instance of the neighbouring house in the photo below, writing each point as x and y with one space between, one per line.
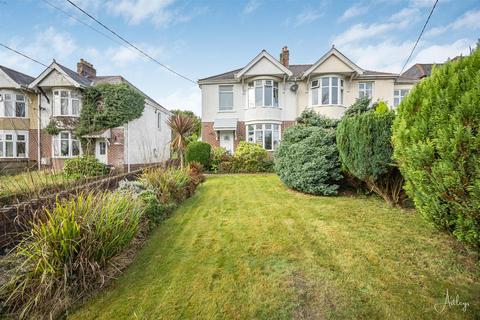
18 120
59 89
258 102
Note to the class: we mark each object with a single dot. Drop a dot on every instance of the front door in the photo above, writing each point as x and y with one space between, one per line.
226 140
101 151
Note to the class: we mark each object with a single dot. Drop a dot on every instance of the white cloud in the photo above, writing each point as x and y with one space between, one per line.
307 17
184 99
354 11
251 6
121 56
469 20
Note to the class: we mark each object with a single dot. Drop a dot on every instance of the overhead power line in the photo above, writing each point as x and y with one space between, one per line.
129 43
419 36
23 55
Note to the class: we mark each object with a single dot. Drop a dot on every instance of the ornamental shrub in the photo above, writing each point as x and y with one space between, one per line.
251 157
437 145
85 166
307 160
361 105
66 253
199 152
108 106
365 149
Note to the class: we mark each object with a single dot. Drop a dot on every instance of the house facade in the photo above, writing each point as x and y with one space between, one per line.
56 96
18 119
258 102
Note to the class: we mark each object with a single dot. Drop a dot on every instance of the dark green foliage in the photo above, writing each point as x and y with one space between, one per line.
109 106
365 149
52 128
437 145
199 152
307 160
85 166
311 118
360 106
251 157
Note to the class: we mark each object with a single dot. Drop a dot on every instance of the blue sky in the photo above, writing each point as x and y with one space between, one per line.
203 38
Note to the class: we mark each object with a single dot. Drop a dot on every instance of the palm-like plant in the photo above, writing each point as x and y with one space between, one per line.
182 127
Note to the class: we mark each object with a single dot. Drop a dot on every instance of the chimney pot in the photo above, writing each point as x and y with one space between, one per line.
86 69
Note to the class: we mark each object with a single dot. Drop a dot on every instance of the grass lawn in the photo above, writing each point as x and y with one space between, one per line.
245 247
29 182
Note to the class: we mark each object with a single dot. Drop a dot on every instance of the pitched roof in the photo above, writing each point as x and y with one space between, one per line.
419 71
75 76
20 78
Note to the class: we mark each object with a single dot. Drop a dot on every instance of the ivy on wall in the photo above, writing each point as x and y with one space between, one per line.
108 106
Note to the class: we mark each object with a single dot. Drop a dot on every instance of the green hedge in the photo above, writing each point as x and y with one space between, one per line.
307 160
365 149
199 152
85 166
251 157
437 145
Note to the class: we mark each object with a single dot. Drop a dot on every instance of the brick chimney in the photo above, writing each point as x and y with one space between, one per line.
285 56
86 69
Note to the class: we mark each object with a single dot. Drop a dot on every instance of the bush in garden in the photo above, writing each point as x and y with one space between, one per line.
66 253
85 166
307 160
199 152
219 157
170 185
311 118
436 137
360 106
251 157
365 149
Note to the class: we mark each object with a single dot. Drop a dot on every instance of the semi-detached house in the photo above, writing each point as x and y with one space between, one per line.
56 94
258 102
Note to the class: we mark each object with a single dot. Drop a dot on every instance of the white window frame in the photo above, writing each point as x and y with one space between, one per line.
159 120
230 92
362 87
13 98
263 84
14 141
316 88
71 96
57 146
264 129
399 95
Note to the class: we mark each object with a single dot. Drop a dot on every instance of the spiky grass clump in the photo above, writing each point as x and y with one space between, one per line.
170 185
66 254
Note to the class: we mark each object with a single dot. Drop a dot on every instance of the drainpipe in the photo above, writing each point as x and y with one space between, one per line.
128 151
39 123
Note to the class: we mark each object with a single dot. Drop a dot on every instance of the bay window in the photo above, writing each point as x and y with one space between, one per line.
13 144
327 91
263 93
398 96
14 105
66 103
365 89
265 134
65 145
225 97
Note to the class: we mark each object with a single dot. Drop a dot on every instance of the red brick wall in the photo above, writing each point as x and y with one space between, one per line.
45 144
116 156
209 136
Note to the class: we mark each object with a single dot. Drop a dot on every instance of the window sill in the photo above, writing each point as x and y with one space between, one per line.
14 158
226 111
264 107
328 105
3 117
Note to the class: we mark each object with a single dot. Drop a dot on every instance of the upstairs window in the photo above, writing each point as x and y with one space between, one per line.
159 120
365 89
225 97
263 93
398 96
14 105
13 144
327 91
66 103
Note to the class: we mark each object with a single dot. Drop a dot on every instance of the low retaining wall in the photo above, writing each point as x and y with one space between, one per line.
15 219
